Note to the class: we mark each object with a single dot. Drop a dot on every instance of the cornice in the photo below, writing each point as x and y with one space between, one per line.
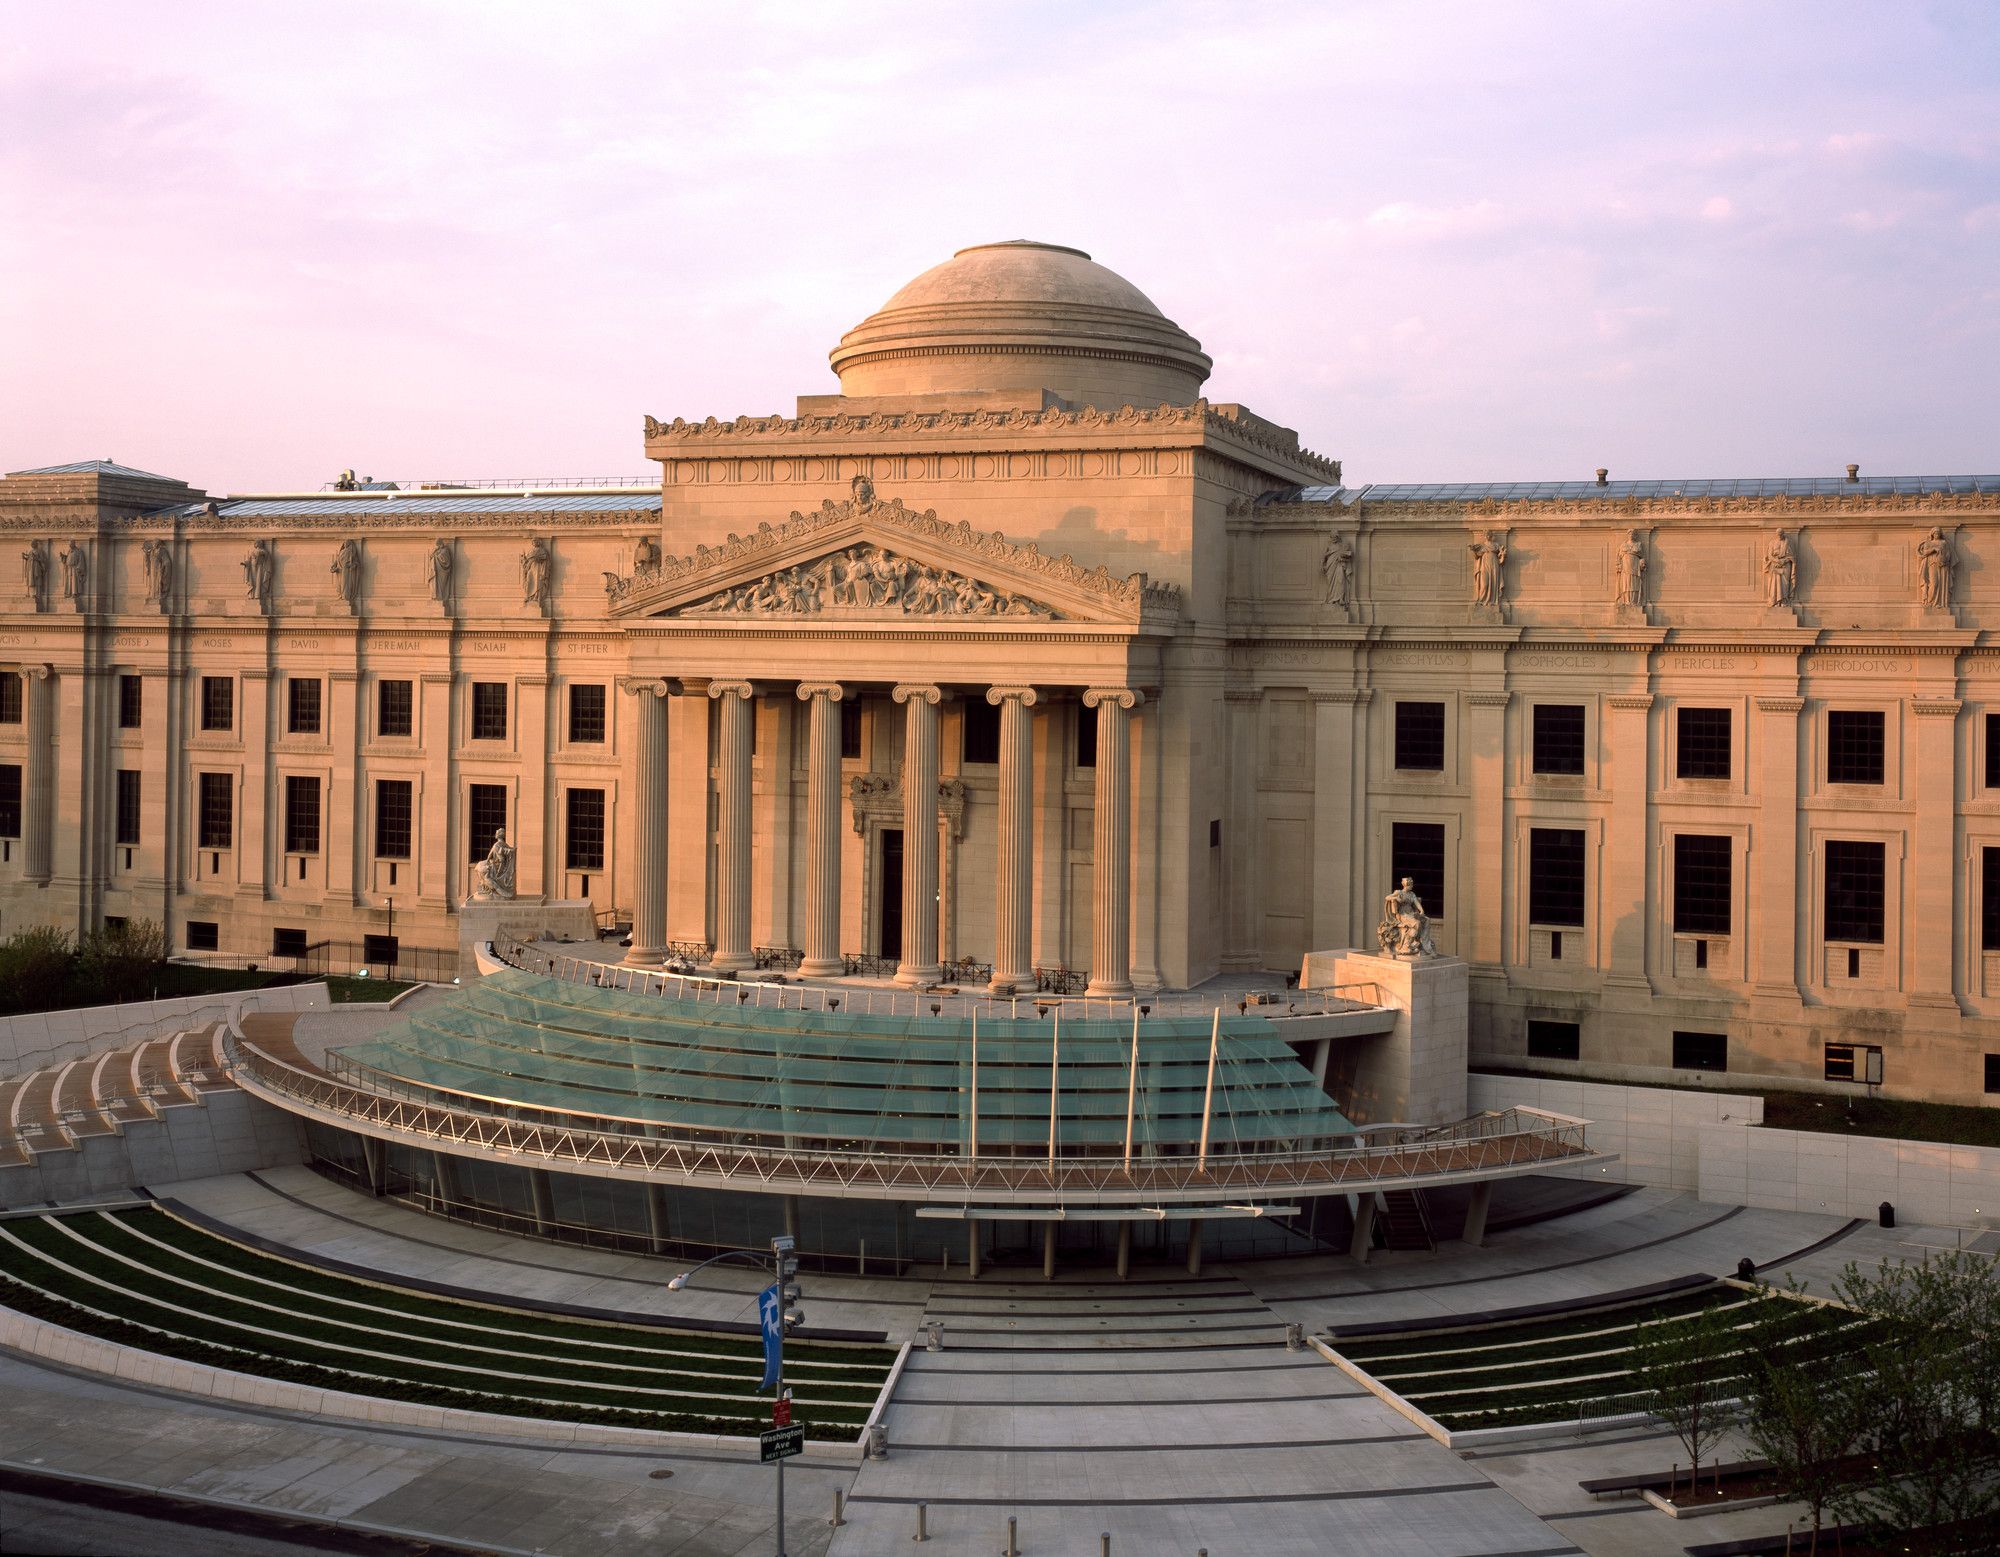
1793 506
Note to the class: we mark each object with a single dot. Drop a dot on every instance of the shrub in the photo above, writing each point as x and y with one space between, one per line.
119 962
35 968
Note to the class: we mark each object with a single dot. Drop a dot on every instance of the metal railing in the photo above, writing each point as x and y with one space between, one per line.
382 485
1516 1140
711 989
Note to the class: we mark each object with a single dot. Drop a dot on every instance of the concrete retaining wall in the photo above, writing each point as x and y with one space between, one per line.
1654 1130
1841 1175
231 1132
50 1037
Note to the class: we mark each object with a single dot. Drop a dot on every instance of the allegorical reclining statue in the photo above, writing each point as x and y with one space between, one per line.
1405 930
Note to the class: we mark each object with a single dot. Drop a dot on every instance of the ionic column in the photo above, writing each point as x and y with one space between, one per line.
732 827
822 829
919 964
649 828
37 786
1111 847
1014 873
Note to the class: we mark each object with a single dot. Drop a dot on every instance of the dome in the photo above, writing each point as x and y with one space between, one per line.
1022 316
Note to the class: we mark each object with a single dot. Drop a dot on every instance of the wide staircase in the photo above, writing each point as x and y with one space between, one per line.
59 1106
1405 1222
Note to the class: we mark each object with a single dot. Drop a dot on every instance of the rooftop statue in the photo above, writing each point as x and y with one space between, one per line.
1405 930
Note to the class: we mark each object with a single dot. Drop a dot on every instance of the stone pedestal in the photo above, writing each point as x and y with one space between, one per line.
1415 1073
530 918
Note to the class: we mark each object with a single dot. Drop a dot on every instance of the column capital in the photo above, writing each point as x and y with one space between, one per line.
998 695
923 693
641 686
38 672
741 689
1123 697
832 691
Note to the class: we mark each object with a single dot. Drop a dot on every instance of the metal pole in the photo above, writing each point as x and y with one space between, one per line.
1208 1093
973 1150
1132 1087
780 1264
1055 1051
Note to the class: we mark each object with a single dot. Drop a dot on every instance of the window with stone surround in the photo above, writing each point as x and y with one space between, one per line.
586 713
1854 891
131 702
1420 737
489 710
1555 876
10 800
485 814
850 728
394 809
1854 746
301 814
1549 1040
1993 751
302 705
1701 1051
218 703
1416 850
215 810
982 730
583 834
1989 899
128 806
395 708
1086 737
10 697
1702 743
1702 883
202 934
1993 1073
1558 739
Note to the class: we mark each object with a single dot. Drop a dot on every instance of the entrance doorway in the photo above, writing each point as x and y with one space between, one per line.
891 916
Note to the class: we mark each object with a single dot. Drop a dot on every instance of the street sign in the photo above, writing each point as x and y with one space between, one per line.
781 1412
780 1443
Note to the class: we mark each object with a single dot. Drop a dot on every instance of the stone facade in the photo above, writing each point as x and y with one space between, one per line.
1145 655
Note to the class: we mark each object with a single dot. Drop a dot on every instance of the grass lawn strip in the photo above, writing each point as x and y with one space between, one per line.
109 1234
323 1323
191 1325
55 1308
164 1227
1522 1348
1449 1337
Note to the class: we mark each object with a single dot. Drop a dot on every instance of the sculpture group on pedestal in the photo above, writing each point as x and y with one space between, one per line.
493 880
1405 930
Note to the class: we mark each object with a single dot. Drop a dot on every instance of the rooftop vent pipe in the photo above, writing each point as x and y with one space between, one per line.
1853 472
1602 472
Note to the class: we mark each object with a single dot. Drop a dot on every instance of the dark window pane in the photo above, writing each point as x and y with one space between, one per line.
1853 890
1989 899
218 703
1701 884
850 728
1701 1051
1853 746
203 935
302 695
1420 736
288 943
586 713
395 708
1993 1073
10 697
131 701
585 833
982 730
1993 751
128 805
301 814
1554 1040
1702 749
1558 743
217 810
1555 875
10 800
489 710
1086 737
392 818
1416 850
485 814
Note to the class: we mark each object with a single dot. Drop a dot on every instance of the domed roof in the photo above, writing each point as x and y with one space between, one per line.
1022 316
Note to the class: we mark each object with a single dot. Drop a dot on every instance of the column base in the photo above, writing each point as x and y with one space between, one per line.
1005 984
914 975
645 956
821 968
1109 989
731 964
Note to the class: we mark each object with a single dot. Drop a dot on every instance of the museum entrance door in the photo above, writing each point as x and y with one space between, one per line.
891 916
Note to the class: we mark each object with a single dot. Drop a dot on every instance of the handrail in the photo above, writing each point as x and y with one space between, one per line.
718 989
1493 1143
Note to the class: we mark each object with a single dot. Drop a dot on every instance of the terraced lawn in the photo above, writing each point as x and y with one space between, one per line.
145 1278
1557 1369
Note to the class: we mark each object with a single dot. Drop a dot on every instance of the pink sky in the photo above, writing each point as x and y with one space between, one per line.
251 244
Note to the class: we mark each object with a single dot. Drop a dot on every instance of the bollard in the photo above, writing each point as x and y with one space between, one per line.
839 1509
923 1523
1012 1549
1104 1543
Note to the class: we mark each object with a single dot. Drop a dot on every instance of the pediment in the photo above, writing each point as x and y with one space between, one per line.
871 559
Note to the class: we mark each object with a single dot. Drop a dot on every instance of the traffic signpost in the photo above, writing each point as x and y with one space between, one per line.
780 1443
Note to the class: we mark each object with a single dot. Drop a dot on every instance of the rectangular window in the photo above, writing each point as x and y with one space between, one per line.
1993 1073
1416 850
1701 746
379 951
302 705
395 708
1701 1051
485 814
288 943
392 818
1701 884
218 703
850 729
1420 737
1860 1062
216 823
1086 737
1554 1040
586 714
301 814
1854 746
131 701
584 836
203 935
10 697
10 800
1989 899
1555 875
1854 875
489 710
982 730
128 805
1993 751
1558 738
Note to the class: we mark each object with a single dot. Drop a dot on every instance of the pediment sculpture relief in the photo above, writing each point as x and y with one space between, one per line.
867 580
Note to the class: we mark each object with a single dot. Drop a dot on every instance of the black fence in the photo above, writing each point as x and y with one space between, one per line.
384 957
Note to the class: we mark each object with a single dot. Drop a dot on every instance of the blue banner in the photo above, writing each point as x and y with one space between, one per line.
769 1309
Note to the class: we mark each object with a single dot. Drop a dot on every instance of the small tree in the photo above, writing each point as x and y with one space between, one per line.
119 962
35 968
1802 1412
1690 1370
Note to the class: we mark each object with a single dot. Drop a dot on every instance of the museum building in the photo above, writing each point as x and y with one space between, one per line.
1018 661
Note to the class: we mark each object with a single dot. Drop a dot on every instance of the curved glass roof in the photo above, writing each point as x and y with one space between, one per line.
831 1079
